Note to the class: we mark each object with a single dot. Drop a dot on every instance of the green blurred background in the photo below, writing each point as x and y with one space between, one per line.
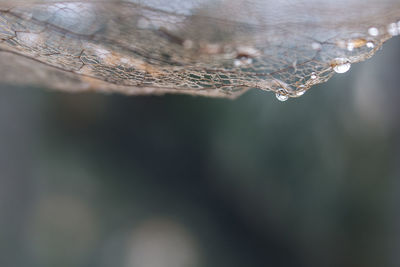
180 181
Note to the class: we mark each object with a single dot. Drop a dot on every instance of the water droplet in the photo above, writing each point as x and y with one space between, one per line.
300 90
245 55
316 46
350 46
313 76
392 29
282 95
373 31
243 61
341 65
370 45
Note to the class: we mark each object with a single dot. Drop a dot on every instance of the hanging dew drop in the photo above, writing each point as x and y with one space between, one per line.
341 65
301 90
343 68
281 95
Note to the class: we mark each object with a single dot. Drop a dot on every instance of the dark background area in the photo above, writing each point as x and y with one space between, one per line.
110 180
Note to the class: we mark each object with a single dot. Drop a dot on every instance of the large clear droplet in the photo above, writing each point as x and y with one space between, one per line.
373 31
281 95
341 65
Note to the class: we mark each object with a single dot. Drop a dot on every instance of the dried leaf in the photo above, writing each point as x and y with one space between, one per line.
200 47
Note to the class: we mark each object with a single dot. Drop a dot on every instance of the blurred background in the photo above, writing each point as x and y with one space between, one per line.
180 181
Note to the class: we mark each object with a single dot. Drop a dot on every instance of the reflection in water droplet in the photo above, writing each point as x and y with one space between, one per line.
370 45
350 46
300 90
341 65
242 61
373 31
392 29
281 95
313 76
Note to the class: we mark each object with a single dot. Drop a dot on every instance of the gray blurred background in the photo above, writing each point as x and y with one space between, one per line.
180 181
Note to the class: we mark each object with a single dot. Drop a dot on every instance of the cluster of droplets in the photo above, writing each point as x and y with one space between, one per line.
392 28
342 65
283 95
339 64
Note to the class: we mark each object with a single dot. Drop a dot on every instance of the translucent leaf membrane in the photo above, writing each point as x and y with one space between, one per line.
200 47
